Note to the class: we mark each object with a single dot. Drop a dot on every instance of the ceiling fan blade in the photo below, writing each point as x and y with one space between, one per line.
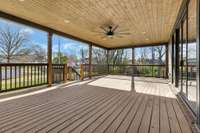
123 33
122 30
103 37
119 36
115 28
103 28
100 33
97 31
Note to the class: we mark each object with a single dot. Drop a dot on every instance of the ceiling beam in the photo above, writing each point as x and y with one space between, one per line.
140 45
180 15
45 28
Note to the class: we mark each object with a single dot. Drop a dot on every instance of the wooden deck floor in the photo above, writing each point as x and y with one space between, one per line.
105 105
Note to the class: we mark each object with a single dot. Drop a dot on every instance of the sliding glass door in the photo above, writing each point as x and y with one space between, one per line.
187 57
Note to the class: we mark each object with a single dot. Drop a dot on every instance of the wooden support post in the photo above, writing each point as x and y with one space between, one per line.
133 56
133 60
166 61
50 68
108 61
81 72
70 73
177 58
90 61
65 72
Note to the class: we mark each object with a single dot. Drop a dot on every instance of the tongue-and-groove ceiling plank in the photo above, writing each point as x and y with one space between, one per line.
148 21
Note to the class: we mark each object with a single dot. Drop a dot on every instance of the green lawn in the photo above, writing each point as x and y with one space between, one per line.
22 83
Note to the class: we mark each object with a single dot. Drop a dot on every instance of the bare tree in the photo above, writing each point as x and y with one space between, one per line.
144 56
160 50
117 57
83 55
12 44
38 54
99 55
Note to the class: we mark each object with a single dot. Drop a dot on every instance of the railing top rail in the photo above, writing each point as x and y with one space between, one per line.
21 64
58 64
126 65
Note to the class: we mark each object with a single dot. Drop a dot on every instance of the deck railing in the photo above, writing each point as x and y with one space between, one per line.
20 75
15 76
137 70
189 71
97 69
158 71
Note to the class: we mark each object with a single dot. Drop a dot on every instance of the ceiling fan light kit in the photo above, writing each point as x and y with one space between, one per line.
111 32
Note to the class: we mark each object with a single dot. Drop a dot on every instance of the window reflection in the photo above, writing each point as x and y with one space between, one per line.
192 54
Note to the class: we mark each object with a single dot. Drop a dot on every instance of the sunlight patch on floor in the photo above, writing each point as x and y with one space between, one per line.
114 82
155 89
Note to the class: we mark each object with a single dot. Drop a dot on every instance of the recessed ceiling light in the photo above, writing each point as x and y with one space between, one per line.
66 21
21 0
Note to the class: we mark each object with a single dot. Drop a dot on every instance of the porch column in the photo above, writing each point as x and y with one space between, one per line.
90 61
49 59
133 59
133 56
166 61
65 72
108 60
177 58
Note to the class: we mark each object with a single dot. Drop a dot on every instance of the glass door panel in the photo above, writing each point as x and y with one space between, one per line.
180 60
184 60
192 88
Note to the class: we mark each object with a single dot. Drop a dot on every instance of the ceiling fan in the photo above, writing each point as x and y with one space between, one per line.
111 32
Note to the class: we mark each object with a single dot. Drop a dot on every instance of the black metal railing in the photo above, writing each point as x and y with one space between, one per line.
96 69
158 71
137 70
73 73
189 71
58 73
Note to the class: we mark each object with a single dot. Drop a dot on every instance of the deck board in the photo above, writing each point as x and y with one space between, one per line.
150 107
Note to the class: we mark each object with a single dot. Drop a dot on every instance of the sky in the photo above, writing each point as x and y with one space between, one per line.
68 46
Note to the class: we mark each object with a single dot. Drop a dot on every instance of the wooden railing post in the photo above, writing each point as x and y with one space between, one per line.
70 73
65 73
90 61
108 61
50 68
81 72
166 61
133 61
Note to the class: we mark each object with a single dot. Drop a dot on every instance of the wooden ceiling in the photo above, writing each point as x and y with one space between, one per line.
192 20
148 21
